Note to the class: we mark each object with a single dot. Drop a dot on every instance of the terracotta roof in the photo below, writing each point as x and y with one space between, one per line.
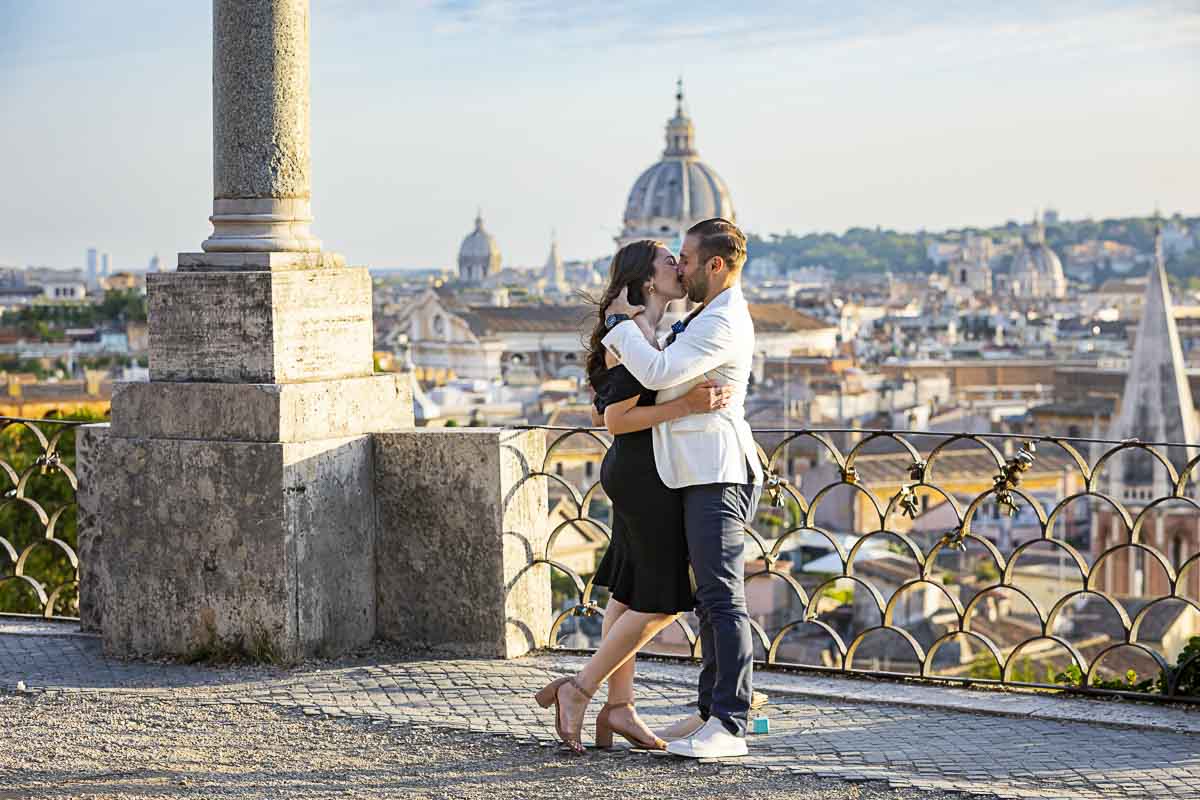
490 320
777 317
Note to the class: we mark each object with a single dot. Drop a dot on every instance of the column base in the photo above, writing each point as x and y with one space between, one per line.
257 262
261 225
199 549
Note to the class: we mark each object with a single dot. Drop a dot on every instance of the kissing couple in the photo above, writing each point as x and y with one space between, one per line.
684 479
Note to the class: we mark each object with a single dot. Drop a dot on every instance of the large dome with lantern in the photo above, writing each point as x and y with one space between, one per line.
678 191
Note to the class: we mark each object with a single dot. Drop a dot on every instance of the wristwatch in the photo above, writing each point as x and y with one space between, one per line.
613 320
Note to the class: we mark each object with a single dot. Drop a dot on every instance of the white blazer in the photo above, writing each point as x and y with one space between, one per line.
718 345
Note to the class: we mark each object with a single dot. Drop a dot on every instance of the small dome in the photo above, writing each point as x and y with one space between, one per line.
679 190
479 255
1037 271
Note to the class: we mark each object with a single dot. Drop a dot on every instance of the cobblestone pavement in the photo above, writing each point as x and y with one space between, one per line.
976 742
137 747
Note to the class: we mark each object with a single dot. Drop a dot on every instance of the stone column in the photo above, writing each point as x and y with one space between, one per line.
261 165
230 504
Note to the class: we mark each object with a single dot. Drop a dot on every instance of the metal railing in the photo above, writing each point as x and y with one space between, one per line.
39 554
966 558
963 558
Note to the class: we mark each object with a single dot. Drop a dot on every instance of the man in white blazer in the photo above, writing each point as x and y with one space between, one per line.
712 459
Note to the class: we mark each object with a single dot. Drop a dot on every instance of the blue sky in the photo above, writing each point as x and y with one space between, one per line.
820 116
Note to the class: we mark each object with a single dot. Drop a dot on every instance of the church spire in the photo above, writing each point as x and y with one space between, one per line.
555 271
1156 405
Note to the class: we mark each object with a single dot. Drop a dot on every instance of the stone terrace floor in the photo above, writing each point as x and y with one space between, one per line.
887 739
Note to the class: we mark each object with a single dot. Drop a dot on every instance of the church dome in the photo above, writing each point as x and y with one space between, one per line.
479 255
677 192
1037 271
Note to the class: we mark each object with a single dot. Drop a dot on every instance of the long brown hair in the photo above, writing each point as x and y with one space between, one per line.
631 267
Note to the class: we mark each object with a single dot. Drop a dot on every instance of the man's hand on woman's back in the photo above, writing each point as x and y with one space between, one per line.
707 396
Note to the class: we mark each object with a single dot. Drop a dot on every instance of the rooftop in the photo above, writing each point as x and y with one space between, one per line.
492 320
776 317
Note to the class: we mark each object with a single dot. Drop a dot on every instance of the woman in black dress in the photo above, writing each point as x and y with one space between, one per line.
646 565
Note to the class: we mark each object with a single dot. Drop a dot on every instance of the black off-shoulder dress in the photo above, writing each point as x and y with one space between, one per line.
646 565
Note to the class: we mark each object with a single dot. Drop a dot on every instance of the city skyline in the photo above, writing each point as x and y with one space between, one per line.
981 118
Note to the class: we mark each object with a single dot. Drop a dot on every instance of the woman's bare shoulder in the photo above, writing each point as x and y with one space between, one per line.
610 360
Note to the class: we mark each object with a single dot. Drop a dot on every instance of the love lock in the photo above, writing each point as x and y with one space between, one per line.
956 539
588 609
1005 499
773 486
909 505
48 462
1010 477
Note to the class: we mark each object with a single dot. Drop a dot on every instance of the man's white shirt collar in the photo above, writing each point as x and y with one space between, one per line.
730 295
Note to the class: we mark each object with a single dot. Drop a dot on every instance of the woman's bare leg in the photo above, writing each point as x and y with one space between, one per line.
620 683
631 632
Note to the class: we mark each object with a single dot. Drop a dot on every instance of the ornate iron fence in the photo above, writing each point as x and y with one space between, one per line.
39 562
983 558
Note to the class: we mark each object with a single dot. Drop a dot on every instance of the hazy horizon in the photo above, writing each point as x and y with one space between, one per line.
544 113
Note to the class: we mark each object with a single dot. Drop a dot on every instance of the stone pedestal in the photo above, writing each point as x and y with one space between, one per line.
260 327
230 506
459 523
241 503
198 548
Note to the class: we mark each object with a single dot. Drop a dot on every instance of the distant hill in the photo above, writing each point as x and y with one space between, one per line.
877 250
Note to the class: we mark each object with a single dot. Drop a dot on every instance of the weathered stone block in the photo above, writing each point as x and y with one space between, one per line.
89 466
260 327
459 524
258 412
196 546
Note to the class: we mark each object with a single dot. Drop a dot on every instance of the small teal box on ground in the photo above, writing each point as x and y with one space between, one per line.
760 725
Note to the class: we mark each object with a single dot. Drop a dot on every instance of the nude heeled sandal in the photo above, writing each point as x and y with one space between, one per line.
548 696
605 730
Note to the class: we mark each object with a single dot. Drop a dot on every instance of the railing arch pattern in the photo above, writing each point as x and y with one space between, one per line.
1056 634
39 560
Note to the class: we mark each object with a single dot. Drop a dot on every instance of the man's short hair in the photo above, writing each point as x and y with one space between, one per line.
720 237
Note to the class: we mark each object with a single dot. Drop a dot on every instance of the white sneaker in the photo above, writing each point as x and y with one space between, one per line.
683 728
711 741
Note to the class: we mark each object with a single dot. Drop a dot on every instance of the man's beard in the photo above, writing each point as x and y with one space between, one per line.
697 288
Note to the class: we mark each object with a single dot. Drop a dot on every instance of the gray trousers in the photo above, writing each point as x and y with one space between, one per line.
714 516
